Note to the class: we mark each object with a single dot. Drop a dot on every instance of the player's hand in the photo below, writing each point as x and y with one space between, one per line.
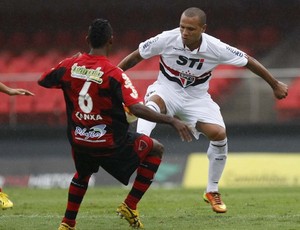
280 90
182 129
14 92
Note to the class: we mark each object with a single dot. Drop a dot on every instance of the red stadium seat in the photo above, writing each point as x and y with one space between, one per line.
63 39
219 84
29 54
23 105
41 39
80 41
246 36
226 35
3 38
131 38
268 37
18 64
49 106
116 57
17 41
46 61
6 54
48 100
42 64
289 108
141 85
3 66
4 105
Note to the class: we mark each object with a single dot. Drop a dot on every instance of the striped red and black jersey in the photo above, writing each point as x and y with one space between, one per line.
94 92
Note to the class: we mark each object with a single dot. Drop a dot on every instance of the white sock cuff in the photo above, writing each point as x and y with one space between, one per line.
152 105
219 143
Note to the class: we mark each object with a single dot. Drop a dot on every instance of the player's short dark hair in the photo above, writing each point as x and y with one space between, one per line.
196 12
100 31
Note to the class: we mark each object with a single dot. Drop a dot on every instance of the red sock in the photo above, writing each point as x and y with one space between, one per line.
143 180
77 191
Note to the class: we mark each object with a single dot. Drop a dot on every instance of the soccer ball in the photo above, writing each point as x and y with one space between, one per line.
129 116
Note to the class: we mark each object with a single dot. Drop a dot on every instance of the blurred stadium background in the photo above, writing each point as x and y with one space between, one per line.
36 35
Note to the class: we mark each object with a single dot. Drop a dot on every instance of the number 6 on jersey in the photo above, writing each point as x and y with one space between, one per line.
85 102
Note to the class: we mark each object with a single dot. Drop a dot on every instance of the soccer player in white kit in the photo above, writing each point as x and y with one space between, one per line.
187 58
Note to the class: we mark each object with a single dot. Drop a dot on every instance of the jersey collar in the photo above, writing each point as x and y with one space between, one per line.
201 49
203 46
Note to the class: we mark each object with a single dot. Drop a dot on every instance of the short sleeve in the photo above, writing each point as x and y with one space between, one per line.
230 55
126 92
152 47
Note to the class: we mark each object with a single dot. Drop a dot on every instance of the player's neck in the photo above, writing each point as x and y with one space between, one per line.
195 45
98 52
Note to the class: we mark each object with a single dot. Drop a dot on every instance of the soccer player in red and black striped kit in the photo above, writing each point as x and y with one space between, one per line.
95 93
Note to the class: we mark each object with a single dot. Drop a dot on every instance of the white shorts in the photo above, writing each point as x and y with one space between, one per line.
188 108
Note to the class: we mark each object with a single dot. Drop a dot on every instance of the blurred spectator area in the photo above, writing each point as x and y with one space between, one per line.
37 37
42 48
49 103
34 39
39 53
289 109
242 97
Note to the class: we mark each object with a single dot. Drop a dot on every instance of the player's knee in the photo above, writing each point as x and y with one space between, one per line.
157 150
213 132
218 135
157 104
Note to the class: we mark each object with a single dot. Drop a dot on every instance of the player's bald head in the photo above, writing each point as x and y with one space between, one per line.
196 12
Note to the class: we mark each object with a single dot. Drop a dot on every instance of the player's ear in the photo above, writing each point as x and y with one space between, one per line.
87 39
204 28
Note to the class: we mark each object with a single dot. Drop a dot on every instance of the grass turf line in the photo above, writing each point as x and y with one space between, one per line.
248 208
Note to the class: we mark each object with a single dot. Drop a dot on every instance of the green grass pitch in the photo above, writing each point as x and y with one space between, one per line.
176 208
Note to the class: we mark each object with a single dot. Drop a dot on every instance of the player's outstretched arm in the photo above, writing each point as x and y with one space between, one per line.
279 88
144 112
13 92
130 61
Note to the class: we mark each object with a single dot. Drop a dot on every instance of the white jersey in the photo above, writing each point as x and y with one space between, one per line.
181 68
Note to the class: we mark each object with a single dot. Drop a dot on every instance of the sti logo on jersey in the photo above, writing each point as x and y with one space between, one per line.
190 62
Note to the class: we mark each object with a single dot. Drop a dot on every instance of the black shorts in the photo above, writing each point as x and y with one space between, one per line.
121 162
